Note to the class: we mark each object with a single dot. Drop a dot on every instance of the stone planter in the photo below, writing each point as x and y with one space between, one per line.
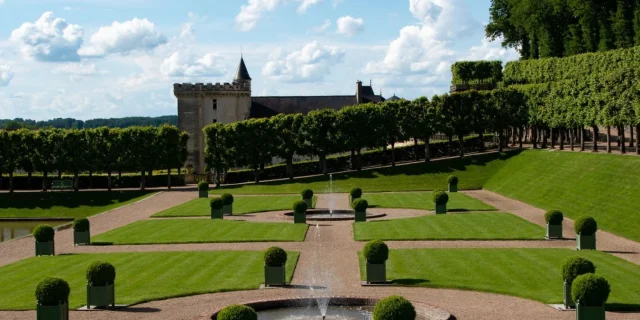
376 273
227 209
299 217
216 214
589 312
453 187
81 237
203 194
274 276
361 216
309 202
586 242
101 297
441 208
45 248
568 300
554 231
59 312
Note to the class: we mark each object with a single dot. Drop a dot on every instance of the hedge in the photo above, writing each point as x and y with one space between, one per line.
101 273
376 252
465 72
275 257
394 308
51 291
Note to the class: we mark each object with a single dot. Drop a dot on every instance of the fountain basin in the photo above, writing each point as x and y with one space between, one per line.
336 215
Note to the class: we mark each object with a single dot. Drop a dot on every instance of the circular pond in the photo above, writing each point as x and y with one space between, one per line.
334 215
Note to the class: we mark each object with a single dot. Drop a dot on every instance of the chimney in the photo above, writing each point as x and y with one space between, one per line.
358 92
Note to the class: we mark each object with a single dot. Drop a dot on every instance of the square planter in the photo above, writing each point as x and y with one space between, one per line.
101 297
59 312
586 242
441 208
274 276
45 248
361 216
299 217
568 300
589 313
453 187
309 202
81 237
203 194
216 214
227 209
554 231
376 273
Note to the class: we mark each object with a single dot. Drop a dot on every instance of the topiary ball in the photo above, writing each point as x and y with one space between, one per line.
216 203
101 273
237 312
440 197
394 308
355 193
360 205
81 224
553 217
376 252
307 194
575 266
452 180
300 207
203 186
586 226
227 198
590 290
275 257
44 233
51 291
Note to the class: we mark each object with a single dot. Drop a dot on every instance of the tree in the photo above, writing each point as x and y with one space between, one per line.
288 139
74 144
320 132
428 121
107 145
251 147
92 156
391 130
216 152
27 153
184 152
169 141
47 148
622 25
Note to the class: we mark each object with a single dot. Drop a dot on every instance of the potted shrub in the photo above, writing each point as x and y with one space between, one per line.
554 224
53 299
81 233
101 277
585 228
376 254
300 212
275 259
354 193
590 292
440 198
203 189
394 308
44 235
453 183
571 269
237 312
360 208
307 196
227 207
216 205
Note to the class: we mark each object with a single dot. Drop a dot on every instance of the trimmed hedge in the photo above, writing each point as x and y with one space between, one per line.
586 226
227 198
101 273
576 266
22 182
360 205
237 312
307 194
440 197
81 224
51 291
452 180
590 290
44 233
376 252
275 257
216 203
553 217
394 308
300 206
465 72
355 193
203 186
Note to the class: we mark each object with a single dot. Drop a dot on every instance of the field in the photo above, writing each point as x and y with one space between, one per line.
241 205
424 201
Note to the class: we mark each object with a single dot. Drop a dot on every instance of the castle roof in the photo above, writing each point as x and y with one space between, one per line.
263 107
394 98
242 73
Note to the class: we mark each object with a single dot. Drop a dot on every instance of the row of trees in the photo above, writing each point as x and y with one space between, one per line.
71 123
135 149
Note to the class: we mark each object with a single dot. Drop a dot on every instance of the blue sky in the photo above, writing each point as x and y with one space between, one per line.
112 58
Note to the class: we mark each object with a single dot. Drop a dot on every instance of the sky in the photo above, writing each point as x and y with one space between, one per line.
88 59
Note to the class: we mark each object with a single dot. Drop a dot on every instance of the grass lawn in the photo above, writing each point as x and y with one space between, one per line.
529 273
241 205
64 204
201 231
473 172
465 226
141 276
600 185
424 201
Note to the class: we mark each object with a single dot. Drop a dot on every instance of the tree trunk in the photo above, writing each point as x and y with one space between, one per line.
119 174
149 182
630 137
29 175
353 160
59 174
218 174
571 135
582 138
256 173
290 165
44 180
108 179
545 137
393 154
500 143
358 160
323 163
637 138
596 135
90 179
10 181
553 141
520 133
561 137
534 137
622 140
608 139
513 136
427 144
416 149
450 137
461 145
481 138
169 178
75 181
142 180
261 167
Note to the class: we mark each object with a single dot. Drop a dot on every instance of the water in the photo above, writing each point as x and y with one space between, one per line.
332 313
16 229
320 275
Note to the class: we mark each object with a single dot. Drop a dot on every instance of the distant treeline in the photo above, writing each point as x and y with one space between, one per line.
70 123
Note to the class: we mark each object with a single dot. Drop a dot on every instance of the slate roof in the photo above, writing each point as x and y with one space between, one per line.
242 73
263 107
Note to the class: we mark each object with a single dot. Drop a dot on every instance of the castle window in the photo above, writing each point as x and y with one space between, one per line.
215 104
215 120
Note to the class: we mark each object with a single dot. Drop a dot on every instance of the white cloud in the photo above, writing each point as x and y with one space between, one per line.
5 75
251 12
310 64
306 4
323 27
78 71
349 26
186 65
492 50
126 37
336 3
49 39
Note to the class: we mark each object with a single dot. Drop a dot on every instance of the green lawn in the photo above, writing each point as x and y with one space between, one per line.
241 205
529 273
601 185
473 172
424 201
465 226
141 276
201 231
64 204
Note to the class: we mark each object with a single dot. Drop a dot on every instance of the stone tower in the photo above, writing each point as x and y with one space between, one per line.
202 104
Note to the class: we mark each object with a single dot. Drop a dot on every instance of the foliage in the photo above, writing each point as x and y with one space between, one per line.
394 308
227 198
81 224
376 252
586 226
360 205
355 192
590 290
203 186
553 217
51 291
101 274
452 180
307 194
575 266
299 206
70 123
216 203
440 197
275 257
44 233
237 312
482 71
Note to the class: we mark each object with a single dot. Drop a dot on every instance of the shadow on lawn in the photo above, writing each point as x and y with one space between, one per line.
47 200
